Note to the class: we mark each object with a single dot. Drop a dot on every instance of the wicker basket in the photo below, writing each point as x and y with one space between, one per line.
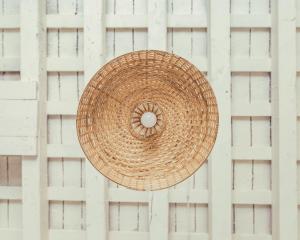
127 151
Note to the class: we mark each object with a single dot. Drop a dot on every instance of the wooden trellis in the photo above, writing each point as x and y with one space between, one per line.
248 190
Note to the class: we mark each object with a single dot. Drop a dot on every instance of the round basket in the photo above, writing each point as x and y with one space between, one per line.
147 120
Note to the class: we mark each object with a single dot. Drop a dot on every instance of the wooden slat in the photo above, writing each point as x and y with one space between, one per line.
21 122
220 162
237 64
17 90
56 64
239 236
34 168
64 21
9 21
12 193
157 39
114 235
253 64
9 64
188 235
284 149
11 234
251 153
66 193
140 21
184 196
18 145
128 235
187 21
125 195
64 150
250 21
94 56
252 197
126 21
251 109
57 234
61 108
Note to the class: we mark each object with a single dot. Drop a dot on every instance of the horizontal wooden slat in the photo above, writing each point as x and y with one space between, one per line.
10 193
141 21
187 235
253 109
10 234
61 108
17 145
239 236
250 21
8 64
193 196
9 21
251 153
67 151
56 64
17 90
126 21
253 64
57 234
18 118
64 21
18 126
66 193
127 235
20 107
187 21
252 197
175 195
127 195
238 64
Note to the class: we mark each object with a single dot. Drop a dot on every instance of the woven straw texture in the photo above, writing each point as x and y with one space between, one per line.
109 120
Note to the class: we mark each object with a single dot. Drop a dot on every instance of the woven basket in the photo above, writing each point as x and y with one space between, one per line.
109 124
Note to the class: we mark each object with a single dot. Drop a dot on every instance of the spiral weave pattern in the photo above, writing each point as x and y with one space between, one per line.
120 147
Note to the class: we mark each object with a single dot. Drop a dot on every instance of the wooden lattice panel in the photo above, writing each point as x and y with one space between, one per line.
241 193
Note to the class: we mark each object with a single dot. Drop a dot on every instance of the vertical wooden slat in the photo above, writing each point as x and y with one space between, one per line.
220 163
284 164
157 39
34 169
94 56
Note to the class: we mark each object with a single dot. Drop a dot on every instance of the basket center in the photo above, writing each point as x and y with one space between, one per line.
146 120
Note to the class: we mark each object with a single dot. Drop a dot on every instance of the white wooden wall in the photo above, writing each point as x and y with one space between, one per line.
250 187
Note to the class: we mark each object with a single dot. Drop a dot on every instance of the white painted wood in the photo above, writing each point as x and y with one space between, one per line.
18 145
260 197
157 39
140 21
20 126
157 24
220 162
94 57
54 64
17 90
284 208
34 169
127 22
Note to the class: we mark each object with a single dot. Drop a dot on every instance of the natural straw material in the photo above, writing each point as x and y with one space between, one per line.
109 120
